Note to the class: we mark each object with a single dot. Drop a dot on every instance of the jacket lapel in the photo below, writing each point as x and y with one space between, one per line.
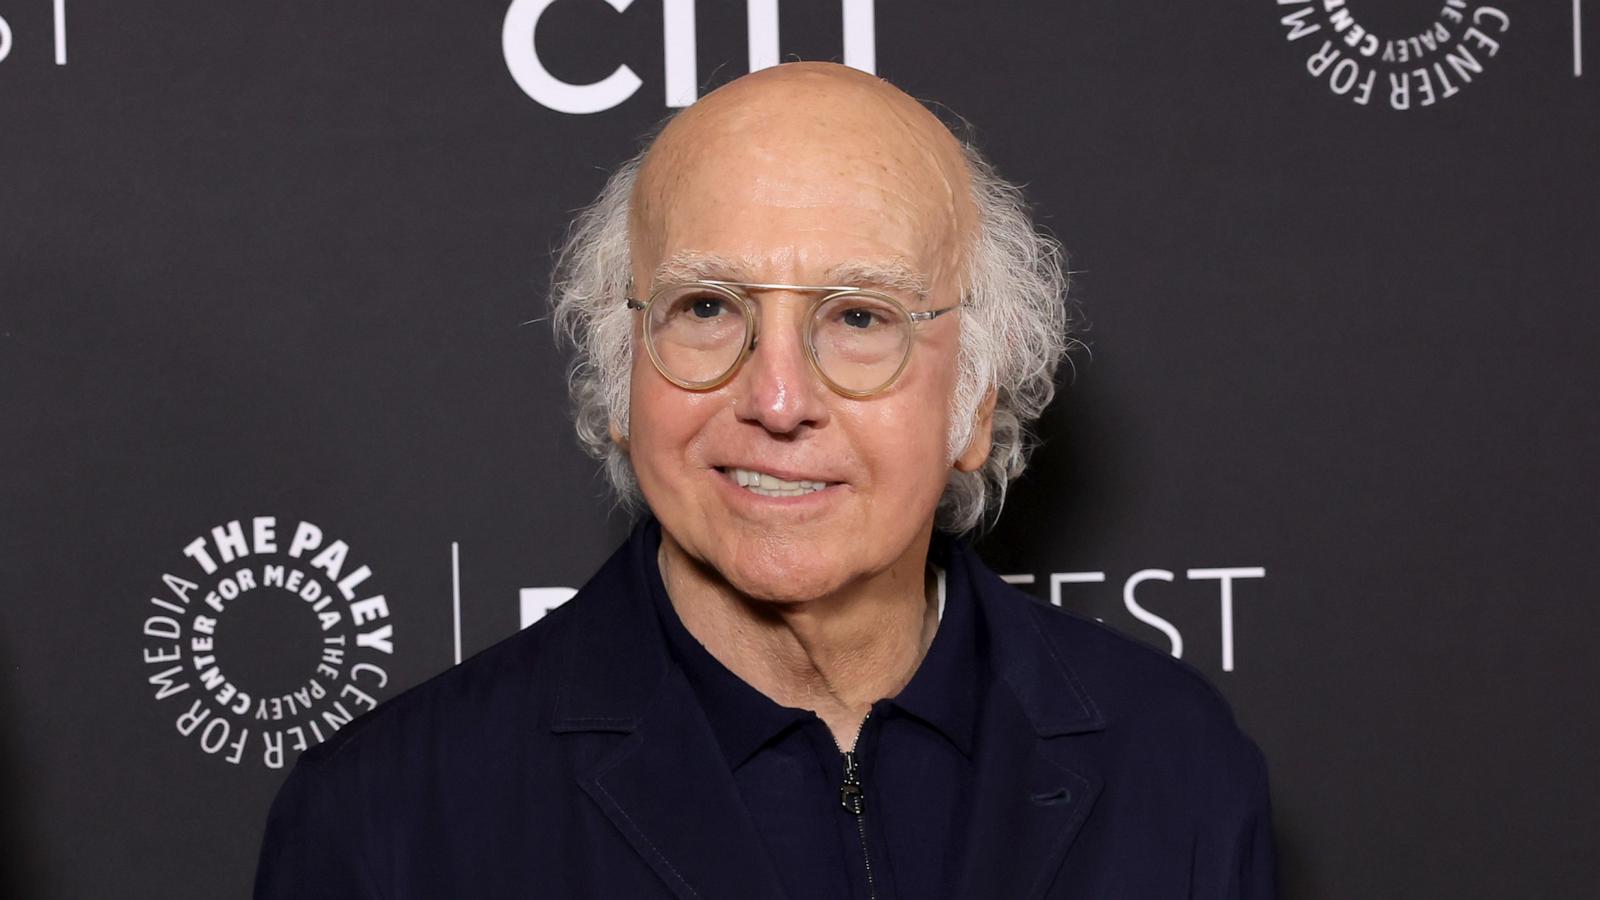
666 786
1033 792
1029 803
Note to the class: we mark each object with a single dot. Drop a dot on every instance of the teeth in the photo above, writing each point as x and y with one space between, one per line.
770 486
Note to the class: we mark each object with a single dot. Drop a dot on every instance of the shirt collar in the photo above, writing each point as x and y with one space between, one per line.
943 694
945 690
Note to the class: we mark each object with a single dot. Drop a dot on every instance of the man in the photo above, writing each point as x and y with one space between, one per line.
812 329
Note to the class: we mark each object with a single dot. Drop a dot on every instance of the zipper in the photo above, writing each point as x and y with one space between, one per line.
853 798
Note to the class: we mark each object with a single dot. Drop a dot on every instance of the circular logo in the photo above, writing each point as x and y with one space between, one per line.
266 641
1408 69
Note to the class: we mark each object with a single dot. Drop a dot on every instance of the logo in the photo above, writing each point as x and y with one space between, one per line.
1433 63
678 45
264 643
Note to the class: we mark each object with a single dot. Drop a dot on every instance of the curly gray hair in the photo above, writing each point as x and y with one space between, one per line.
1013 335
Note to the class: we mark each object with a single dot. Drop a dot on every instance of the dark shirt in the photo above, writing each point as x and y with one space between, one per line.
913 758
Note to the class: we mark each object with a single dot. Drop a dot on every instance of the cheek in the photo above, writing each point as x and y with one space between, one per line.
908 435
663 423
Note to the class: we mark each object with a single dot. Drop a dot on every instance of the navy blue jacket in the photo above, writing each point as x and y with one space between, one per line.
572 760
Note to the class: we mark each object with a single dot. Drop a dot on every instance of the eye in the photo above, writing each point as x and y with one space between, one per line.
706 307
700 306
861 317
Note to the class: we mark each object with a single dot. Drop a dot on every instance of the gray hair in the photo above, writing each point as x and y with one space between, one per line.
1013 335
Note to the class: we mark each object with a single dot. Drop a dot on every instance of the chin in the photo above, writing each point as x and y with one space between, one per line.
783 575
782 591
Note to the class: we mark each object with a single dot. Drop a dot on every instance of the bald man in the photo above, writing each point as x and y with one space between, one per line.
811 331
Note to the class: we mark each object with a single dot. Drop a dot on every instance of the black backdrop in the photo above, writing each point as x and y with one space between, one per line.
276 260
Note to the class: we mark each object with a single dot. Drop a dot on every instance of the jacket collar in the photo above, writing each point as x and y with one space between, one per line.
1032 792
668 788
613 656
1052 698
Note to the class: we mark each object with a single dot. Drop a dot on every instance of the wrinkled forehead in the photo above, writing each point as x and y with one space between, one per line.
809 172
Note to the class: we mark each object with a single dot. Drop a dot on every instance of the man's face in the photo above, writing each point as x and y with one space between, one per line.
757 192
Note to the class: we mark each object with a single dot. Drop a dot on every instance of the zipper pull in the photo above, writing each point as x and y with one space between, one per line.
850 795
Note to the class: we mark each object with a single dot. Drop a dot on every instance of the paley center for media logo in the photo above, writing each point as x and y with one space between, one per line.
263 641
1442 56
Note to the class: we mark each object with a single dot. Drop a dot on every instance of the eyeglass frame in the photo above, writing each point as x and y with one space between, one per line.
752 328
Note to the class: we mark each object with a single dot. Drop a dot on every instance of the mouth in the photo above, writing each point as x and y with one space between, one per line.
766 484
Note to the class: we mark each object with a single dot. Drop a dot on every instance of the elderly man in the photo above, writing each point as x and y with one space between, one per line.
812 329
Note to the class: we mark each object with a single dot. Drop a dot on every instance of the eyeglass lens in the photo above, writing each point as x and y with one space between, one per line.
698 333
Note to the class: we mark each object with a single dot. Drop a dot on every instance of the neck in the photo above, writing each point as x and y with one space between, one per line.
835 654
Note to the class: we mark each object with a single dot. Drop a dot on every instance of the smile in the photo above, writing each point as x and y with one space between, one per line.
768 485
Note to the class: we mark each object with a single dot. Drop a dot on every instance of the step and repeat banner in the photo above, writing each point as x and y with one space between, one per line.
285 430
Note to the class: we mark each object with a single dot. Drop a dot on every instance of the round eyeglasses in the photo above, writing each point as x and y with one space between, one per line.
698 333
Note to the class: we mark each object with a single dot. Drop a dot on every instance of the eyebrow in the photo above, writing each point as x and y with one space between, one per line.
695 265
892 273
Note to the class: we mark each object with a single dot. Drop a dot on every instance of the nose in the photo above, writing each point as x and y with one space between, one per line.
776 387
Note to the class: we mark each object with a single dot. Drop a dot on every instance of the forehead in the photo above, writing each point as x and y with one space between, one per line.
800 188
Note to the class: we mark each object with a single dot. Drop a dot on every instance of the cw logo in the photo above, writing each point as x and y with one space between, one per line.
678 44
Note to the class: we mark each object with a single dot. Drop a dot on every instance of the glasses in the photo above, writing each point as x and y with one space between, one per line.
698 333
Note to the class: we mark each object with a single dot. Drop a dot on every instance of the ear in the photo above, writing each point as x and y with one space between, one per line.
618 438
978 446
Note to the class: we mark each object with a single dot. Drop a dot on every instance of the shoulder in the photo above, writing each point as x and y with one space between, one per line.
1160 715
598 651
466 745
512 681
1128 677
1140 695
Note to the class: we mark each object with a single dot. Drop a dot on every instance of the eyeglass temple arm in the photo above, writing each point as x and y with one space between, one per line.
926 314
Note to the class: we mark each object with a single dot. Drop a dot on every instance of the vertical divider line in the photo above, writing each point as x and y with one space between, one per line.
455 593
61 32
762 33
860 35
